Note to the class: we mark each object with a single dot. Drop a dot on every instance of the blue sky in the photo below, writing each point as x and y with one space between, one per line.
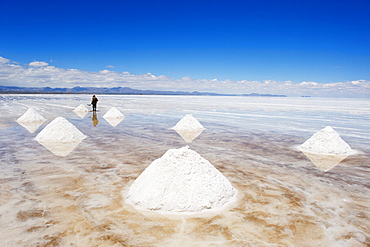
296 41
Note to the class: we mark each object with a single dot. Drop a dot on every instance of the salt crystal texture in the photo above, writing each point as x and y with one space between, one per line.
327 142
81 108
188 122
181 181
60 130
113 113
31 116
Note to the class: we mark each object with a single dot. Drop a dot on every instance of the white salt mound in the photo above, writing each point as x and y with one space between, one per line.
327 142
113 113
81 108
60 130
181 181
31 116
188 122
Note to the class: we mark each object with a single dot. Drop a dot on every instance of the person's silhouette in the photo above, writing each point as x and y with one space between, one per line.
94 102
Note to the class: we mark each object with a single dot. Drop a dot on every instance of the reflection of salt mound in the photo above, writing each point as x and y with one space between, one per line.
189 135
325 162
189 128
188 122
60 137
114 116
81 108
180 181
31 126
31 116
326 141
61 149
31 120
81 111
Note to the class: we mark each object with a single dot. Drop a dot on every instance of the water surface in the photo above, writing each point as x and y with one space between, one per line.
283 199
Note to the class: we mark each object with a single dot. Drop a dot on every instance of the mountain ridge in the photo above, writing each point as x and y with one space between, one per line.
114 90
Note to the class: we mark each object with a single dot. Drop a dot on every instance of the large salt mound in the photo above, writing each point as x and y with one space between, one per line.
327 142
81 108
60 130
113 113
31 116
188 122
181 181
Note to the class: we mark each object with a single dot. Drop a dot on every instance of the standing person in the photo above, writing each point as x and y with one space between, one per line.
94 101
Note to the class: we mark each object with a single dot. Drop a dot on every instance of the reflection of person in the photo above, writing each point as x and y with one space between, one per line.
95 120
94 101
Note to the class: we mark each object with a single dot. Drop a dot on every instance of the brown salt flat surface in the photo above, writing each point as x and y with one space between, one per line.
79 200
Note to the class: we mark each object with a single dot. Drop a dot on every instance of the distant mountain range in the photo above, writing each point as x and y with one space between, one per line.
114 90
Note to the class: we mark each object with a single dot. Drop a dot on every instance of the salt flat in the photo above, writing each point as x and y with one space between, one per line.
283 198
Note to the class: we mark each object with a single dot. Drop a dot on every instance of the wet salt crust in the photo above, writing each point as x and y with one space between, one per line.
181 181
31 116
282 200
327 142
188 122
60 130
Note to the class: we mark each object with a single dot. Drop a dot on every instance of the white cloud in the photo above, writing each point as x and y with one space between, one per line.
358 82
4 60
307 83
105 71
37 64
41 74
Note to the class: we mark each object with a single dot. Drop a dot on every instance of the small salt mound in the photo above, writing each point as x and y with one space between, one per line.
31 116
327 142
113 113
60 130
181 181
81 108
188 122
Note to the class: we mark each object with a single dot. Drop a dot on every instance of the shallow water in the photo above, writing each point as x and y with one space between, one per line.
283 198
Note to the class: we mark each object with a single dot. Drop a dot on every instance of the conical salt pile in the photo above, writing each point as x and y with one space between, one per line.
180 181
60 130
31 116
114 116
81 108
327 142
113 113
188 122
188 128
